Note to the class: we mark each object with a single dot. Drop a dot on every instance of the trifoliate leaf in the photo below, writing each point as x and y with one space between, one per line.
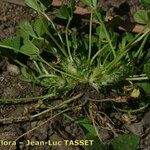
141 16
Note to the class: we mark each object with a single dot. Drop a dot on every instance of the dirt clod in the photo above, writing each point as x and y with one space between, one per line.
13 69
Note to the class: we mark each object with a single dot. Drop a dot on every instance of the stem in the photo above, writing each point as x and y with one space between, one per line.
125 50
101 100
141 47
46 76
147 30
137 38
62 72
68 117
60 105
24 100
94 124
67 40
137 78
53 39
35 128
43 68
90 37
37 67
105 60
52 26
43 113
57 44
141 75
114 62
133 110
106 33
99 51
14 49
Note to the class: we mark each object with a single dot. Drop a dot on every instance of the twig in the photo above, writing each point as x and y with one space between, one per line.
60 105
41 125
101 100
106 116
34 117
91 115
111 128
24 100
133 110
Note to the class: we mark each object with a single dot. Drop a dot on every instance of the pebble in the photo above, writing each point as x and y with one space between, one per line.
13 70
104 134
137 128
146 119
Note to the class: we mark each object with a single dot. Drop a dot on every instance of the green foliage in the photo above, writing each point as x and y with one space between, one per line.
29 49
97 145
125 142
147 69
60 61
145 2
90 3
87 126
25 75
102 58
26 29
142 17
146 87
90 133
66 11
40 26
36 5
12 43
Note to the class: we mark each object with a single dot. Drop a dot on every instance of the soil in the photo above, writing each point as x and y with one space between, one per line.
12 87
122 8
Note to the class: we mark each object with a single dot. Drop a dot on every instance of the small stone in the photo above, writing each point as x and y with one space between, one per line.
146 119
136 128
13 69
104 134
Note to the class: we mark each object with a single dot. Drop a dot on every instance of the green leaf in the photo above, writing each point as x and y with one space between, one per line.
127 37
25 75
147 69
33 4
26 28
87 126
125 142
96 144
23 35
100 32
145 2
72 5
40 26
145 87
46 3
13 43
87 2
36 5
141 16
90 3
29 49
64 12
94 2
